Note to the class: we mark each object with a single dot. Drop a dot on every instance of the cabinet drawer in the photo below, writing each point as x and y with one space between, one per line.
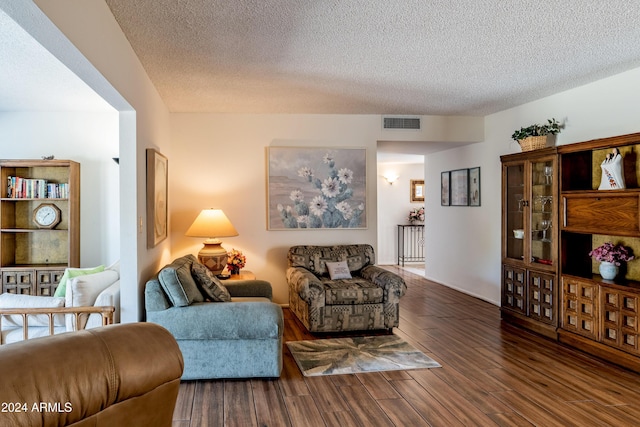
47 281
602 212
514 289
620 326
18 282
542 305
580 307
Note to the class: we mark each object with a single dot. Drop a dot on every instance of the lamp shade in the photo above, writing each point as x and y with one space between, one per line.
212 223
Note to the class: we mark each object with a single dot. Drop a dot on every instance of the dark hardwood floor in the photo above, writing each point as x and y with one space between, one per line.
492 374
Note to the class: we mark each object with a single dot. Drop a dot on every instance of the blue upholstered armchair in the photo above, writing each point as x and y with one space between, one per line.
240 336
365 297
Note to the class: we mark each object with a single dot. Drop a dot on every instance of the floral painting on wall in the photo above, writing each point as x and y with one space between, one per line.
316 188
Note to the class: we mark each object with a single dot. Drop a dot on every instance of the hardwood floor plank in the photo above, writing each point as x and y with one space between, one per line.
540 410
184 404
449 398
539 379
349 380
425 404
610 415
471 390
208 404
269 404
303 411
510 419
326 394
341 419
577 384
291 379
377 386
239 408
364 407
401 413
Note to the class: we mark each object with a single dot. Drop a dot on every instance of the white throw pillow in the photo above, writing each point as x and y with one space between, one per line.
8 300
82 291
338 270
115 267
110 296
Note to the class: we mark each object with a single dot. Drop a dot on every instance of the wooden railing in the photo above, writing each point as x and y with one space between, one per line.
106 312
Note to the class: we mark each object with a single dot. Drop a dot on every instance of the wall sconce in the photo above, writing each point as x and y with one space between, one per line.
391 177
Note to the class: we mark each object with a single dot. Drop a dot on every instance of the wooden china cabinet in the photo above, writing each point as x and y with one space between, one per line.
600 316
529 295
553 215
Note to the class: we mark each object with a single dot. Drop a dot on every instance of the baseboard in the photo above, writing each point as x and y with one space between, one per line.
464 291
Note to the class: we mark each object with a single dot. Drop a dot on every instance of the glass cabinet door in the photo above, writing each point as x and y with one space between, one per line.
542 212
515 204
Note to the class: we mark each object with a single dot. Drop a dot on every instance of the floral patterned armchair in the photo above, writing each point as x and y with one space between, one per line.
368 300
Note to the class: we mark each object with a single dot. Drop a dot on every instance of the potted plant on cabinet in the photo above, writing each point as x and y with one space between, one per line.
535 136
610 257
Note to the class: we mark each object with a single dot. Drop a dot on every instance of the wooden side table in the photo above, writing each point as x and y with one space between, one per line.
244 275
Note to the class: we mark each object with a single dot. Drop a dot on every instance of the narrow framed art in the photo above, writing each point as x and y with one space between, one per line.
316 188
417 190
460 187
157 197
474 186
445 188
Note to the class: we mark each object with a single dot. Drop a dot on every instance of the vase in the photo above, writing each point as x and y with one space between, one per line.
234 270
608 270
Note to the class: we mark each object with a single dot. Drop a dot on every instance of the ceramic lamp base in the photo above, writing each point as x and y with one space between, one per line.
213 256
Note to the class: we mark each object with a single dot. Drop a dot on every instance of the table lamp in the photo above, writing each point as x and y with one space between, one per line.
212 224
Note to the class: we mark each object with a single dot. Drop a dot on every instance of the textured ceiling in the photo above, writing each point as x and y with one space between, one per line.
32 79
467 57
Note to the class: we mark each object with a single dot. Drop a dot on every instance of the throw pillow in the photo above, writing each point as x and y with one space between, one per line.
209 284
110 296
70 273
338 270
8 300
178 283
82 292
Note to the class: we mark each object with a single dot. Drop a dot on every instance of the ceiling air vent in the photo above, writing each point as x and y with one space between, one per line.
401 123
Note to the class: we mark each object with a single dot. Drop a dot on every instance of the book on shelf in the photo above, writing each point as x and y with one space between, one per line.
35 188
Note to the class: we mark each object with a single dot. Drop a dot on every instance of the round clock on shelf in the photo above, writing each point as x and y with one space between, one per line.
46 215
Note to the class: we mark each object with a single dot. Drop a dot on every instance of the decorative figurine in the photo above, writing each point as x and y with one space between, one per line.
612 176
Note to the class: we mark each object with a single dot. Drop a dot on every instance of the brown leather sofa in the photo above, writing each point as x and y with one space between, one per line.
117 375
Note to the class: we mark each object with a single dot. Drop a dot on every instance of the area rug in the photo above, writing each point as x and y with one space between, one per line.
357 354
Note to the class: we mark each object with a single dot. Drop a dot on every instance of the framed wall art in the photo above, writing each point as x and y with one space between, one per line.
460 187
157 197
316 188
445 193
474 186
417 190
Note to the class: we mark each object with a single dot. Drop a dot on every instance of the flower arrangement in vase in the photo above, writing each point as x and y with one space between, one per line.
416 214
235 261
610 257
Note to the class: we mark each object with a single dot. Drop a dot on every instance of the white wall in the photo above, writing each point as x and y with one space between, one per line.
92 140
463 243
394 205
